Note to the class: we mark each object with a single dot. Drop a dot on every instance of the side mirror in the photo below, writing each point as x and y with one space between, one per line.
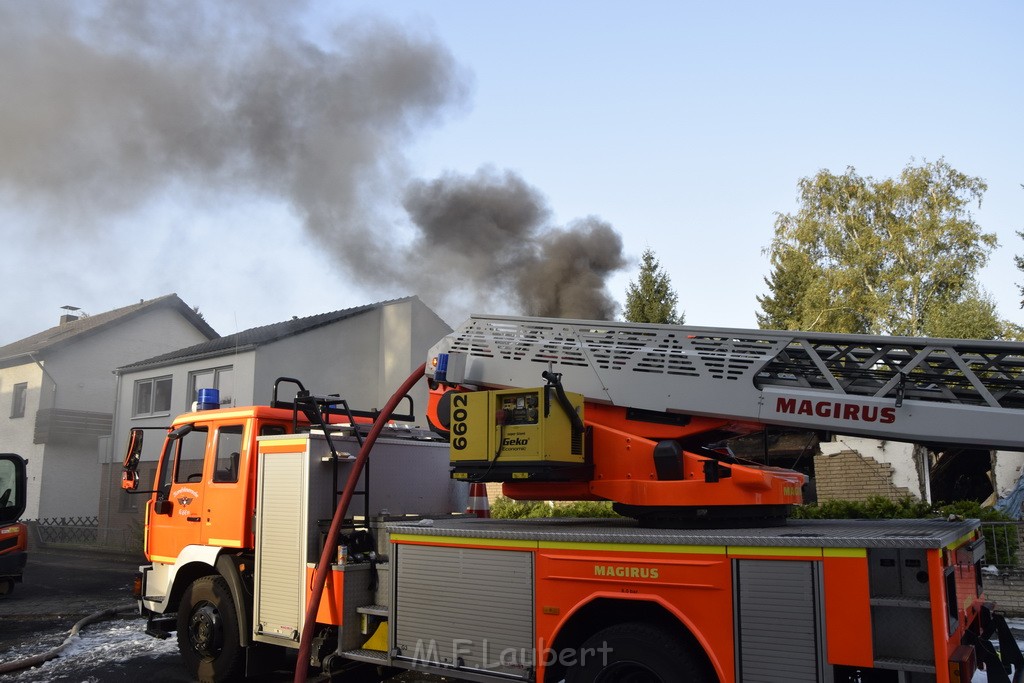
130 476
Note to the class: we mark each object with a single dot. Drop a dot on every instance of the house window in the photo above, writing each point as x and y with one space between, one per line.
18 399
152 397
222 379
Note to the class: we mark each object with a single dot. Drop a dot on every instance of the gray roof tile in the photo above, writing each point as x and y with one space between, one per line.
254 337
57 337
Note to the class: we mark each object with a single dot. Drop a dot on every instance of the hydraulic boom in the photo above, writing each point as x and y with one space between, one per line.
652 399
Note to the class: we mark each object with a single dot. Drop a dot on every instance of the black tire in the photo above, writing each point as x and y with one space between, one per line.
208 634
6 586
636 653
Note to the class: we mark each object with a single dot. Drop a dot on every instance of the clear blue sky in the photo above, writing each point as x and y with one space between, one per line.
686 127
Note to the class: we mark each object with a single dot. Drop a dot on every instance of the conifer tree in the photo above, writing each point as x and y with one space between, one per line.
651 299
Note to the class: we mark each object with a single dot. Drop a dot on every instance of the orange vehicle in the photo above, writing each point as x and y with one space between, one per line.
702 579
13 534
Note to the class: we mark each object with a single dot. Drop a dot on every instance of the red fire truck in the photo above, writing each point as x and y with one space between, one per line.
13 534
702 579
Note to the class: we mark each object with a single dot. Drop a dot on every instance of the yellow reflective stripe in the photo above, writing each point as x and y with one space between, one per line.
284 444
460 540
774 552
226 542
960 541
845 552
637 547
165 560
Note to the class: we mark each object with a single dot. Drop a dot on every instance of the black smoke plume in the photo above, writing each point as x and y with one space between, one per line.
110 106
489 244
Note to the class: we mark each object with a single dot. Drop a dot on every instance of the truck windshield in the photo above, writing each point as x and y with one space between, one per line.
182 459
12 493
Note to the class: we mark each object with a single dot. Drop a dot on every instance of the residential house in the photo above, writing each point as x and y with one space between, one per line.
363 354
58 388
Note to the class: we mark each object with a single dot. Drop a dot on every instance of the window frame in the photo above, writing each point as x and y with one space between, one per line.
192 393
19 399
152 382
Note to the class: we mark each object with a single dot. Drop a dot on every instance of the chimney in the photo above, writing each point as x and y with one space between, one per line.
70 316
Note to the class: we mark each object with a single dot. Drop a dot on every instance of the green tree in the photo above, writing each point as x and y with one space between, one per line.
893 256
1019 260
651 299
973 317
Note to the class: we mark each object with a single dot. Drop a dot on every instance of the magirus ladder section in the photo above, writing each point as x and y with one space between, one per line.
941 391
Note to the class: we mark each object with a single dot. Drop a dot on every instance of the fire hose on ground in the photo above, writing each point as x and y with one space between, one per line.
36 660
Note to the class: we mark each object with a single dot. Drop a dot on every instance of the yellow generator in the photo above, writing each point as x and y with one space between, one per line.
518 434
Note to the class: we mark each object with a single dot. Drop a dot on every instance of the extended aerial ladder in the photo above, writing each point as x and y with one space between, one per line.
655 397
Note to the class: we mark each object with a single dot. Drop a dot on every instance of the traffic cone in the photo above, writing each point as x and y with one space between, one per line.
478 504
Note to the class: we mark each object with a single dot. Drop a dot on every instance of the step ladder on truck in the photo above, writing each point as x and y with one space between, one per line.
703 578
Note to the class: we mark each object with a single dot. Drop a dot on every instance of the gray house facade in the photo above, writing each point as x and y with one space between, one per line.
58 388
362 353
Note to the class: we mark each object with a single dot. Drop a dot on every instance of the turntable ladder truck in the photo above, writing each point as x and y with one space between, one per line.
702 579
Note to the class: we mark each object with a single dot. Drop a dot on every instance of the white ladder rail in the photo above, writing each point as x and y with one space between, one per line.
942 390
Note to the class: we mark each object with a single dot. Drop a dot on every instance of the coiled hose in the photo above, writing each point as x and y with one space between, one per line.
36 660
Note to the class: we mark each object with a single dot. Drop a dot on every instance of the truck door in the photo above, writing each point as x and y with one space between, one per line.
225 508
176 510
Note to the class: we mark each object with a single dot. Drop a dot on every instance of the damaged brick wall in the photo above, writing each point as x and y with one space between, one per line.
848 475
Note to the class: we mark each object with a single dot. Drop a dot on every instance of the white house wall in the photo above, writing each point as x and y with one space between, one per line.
421 328
72 481
16 433
84 370
364 358
339 358
242 365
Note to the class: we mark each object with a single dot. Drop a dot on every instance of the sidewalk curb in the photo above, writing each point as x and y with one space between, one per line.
68 548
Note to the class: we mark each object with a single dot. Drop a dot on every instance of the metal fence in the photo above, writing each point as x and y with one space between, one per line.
68 530
77 531
1004 545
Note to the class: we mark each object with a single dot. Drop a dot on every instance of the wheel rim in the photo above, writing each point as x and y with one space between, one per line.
628 672
205 631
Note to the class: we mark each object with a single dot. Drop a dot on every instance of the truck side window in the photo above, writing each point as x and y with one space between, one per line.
272 430
229 445
191 449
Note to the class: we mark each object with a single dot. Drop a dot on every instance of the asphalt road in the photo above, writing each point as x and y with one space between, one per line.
62 587
59 589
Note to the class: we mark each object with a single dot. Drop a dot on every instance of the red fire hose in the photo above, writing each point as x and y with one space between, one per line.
320 576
